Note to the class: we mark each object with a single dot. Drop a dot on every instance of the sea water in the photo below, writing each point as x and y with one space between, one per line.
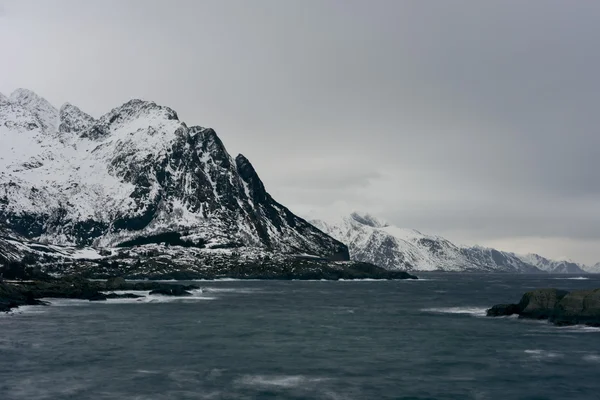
426 339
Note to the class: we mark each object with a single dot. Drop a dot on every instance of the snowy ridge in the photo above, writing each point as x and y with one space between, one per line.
553 266
592 269
135 173
371 240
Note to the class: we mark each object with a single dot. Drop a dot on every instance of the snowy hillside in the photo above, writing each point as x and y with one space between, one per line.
553 266
135 175
371 240
593 269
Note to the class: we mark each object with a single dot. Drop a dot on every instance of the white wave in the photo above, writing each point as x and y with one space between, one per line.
594 358
542 354
416 280
575 278
362 280
581 329
136 292
229 290
56 302
25 310
281 381
197 295
475 311
228 280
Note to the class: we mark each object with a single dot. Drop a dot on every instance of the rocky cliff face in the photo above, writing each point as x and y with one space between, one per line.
136 175
372 240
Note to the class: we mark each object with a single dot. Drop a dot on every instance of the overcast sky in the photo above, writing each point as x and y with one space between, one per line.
477 120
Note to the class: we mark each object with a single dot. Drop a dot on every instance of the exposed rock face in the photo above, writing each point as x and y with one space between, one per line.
540 304
503 310
579 307
135 176
370 239
558 306
13 295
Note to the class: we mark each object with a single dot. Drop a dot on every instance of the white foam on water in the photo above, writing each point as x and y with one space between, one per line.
281 381
474 311
593 358
575 278
362 280
197 295
416 280
226 280
538 354
581 329
25 310
57 302
137 292
228 290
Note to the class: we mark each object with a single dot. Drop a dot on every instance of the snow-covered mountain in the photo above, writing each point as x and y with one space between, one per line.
554 266
592 269
370 239
136 175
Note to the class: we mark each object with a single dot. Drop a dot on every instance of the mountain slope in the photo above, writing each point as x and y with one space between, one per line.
372 240
553 266
136 175
593 269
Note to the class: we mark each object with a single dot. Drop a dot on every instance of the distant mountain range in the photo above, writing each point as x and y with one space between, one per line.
372 240
137 192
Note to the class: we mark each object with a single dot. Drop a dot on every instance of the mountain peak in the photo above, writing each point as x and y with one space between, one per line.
72 119
369 220
45 112
3 98
26 97
137 108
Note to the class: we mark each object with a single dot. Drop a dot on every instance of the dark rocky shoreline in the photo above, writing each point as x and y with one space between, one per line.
562 308
28 292
28 285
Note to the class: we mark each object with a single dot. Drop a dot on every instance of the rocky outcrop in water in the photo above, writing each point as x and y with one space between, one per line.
18 293
557 306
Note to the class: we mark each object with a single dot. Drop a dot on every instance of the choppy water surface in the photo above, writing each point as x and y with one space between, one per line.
303 340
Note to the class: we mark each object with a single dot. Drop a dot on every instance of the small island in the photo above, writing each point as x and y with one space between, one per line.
560 307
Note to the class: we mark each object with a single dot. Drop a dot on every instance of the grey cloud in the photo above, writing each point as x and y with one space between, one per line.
471 116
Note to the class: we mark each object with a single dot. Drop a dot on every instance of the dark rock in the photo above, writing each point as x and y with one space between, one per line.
503 310
97 297
578 307
540 303
22 271
123 296
558 306
115 283
12 296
